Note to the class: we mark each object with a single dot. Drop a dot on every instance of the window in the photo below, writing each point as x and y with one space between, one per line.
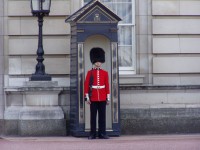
126 10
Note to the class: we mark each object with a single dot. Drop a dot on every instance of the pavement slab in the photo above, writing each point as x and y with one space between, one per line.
135 142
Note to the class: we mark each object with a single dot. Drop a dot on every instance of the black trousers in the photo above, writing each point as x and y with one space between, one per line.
99 107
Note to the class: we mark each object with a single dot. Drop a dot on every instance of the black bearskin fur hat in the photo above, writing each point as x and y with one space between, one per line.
97 55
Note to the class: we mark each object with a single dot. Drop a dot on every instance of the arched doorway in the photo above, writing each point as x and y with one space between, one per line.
104 43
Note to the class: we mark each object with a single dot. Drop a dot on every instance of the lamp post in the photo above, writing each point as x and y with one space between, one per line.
40 8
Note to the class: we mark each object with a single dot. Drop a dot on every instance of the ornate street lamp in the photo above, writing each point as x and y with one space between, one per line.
40 8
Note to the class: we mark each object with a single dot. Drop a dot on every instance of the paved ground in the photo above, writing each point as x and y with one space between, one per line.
152 142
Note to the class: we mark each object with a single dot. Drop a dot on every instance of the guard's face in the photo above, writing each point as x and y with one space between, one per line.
98 64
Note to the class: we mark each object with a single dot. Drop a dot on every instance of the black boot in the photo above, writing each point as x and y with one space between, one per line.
103 136
92 136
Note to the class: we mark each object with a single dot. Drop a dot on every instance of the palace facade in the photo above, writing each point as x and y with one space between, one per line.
159 71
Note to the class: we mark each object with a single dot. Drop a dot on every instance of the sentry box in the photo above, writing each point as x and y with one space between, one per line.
94 25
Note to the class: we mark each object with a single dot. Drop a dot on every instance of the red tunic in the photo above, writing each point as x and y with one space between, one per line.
100 84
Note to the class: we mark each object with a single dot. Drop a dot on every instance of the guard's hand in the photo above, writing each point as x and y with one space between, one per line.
88 101
108 99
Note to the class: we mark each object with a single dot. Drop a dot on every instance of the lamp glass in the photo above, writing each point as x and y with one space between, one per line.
46 5
35 5
40 6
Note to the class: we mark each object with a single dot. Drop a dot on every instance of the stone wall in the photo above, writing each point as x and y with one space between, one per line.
160 121
176 48
168 56
1 65
160 109
21 31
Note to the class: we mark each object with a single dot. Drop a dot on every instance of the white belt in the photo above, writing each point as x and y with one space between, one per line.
98 87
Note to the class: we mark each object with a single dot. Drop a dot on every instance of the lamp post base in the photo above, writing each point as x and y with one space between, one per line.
36 77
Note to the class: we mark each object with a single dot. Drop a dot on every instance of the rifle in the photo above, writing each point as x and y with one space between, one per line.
90 84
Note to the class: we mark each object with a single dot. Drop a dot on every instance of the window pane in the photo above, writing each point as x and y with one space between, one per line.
125 56
123 10
125 35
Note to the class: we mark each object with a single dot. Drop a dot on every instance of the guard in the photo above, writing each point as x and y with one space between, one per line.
97 93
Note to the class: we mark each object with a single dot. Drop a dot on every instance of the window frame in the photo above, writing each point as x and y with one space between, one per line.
132 69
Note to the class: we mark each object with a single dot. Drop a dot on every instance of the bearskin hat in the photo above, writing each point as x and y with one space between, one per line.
97 55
